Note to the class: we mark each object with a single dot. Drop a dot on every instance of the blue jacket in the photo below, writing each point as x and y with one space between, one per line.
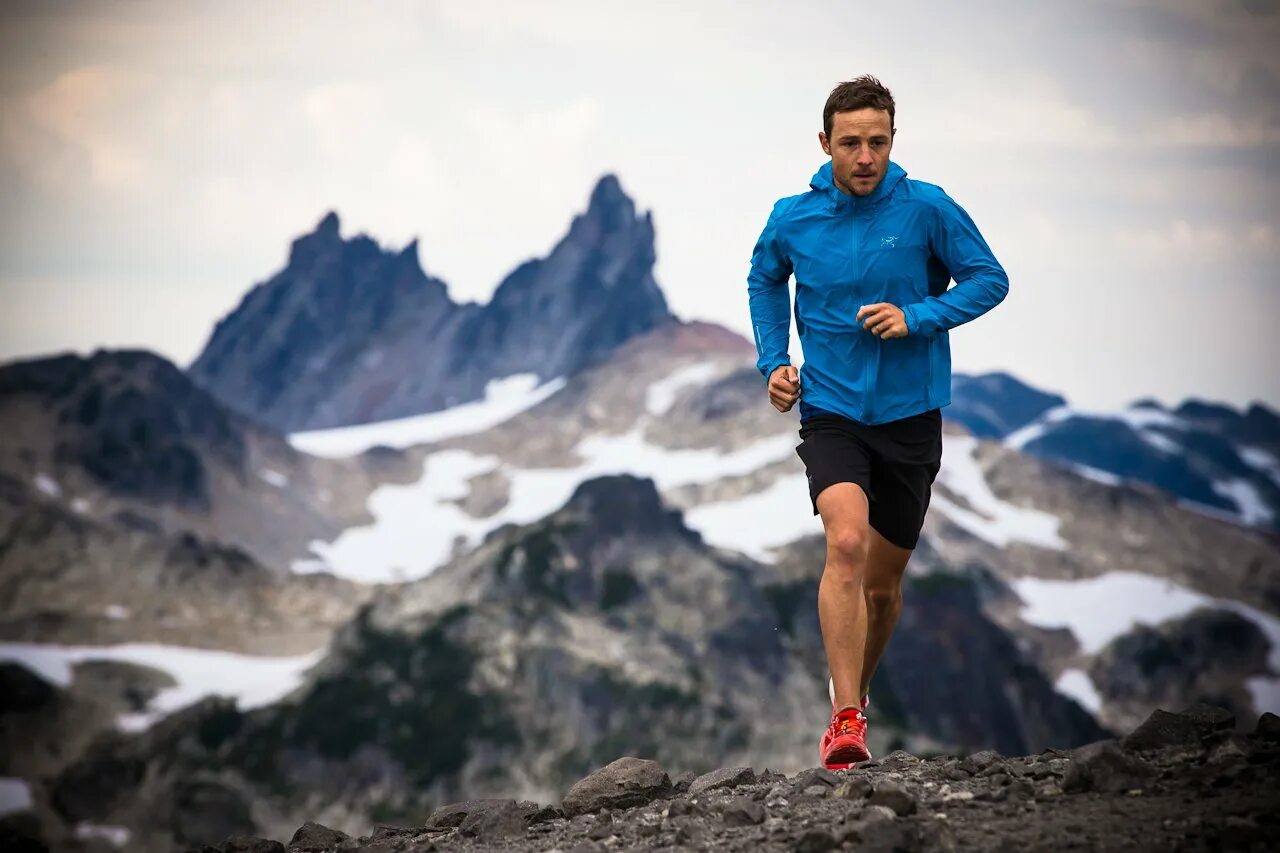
902 244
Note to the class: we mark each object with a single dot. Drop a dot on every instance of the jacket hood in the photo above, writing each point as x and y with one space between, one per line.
821 181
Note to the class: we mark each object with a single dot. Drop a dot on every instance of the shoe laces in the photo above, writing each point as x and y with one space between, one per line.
849 721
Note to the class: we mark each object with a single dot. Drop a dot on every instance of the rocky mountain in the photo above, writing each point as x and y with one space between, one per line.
1210 652
1211 457
125 437
608 625
350 333
1184 780
992 405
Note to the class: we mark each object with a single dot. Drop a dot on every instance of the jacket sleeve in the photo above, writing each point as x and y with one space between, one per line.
769 298
981 283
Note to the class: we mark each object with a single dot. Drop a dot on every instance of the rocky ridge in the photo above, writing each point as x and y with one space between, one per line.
349 332
1184 780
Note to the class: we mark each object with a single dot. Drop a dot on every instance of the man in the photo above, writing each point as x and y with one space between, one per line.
872 252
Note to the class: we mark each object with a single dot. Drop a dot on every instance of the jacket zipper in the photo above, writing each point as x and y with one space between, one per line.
856 238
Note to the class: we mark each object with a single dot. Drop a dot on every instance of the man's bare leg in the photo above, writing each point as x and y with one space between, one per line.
882 588
842 605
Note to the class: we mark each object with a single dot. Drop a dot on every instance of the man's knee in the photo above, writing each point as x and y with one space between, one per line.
848 546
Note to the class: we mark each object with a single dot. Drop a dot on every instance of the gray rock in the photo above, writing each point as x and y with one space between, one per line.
545 813
805 778
727 777
980 760
742 811
1163 729
317 837
1103 766
854 789
249 844
1209 718
815 841
1231 747
602 830
1020 789
681 783
818 791
623 783
870 823
1268 726
385 831
679 808
894 796
503 820
452 814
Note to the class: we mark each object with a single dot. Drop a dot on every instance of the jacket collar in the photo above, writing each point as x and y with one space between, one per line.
838 199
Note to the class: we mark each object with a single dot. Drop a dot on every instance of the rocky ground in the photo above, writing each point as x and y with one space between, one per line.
1185 781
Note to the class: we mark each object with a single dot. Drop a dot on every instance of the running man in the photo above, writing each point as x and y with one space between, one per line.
873 253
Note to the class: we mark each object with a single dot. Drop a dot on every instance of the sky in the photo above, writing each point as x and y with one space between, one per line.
157 159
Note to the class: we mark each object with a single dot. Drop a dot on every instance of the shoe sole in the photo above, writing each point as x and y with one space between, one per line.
847 756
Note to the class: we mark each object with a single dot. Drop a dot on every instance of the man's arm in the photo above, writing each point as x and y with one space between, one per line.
981 283
769 298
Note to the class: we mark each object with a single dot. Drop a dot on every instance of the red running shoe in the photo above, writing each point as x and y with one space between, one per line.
844 743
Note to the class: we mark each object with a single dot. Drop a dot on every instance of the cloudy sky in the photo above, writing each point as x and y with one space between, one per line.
156 159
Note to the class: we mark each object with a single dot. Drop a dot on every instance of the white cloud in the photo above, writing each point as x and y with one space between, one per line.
67 133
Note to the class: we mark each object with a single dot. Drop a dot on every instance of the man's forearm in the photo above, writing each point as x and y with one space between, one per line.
967 300
770 303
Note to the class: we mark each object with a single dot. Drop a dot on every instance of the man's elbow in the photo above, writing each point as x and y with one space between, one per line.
999 284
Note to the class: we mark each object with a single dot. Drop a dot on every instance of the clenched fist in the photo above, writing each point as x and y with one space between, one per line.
883 319
784 387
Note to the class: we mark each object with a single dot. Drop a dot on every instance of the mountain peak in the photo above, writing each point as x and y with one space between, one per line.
620 504
608 190
324 239
328 225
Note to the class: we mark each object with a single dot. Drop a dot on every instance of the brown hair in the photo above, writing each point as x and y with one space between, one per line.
860 93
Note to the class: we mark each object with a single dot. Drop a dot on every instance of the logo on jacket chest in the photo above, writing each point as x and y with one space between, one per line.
889 241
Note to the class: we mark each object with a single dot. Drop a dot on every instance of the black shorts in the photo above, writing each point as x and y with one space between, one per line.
895 463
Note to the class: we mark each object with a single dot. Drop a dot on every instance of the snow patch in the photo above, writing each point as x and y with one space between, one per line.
988 517
15 795
755 523
1098 610
252 680
48 485
275 478
1138 419
117 836
1097 474
115 611
503 398
1253 509
1262 460
1079 686
661 395
416 525
1159 442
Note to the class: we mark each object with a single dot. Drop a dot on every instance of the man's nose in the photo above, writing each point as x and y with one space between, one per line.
864 156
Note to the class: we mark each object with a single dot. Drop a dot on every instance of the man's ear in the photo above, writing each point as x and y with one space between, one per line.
822 140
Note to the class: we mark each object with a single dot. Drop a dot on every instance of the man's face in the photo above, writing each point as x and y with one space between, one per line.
859 146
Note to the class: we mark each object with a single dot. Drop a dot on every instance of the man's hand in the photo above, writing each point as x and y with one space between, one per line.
784 387
883 319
